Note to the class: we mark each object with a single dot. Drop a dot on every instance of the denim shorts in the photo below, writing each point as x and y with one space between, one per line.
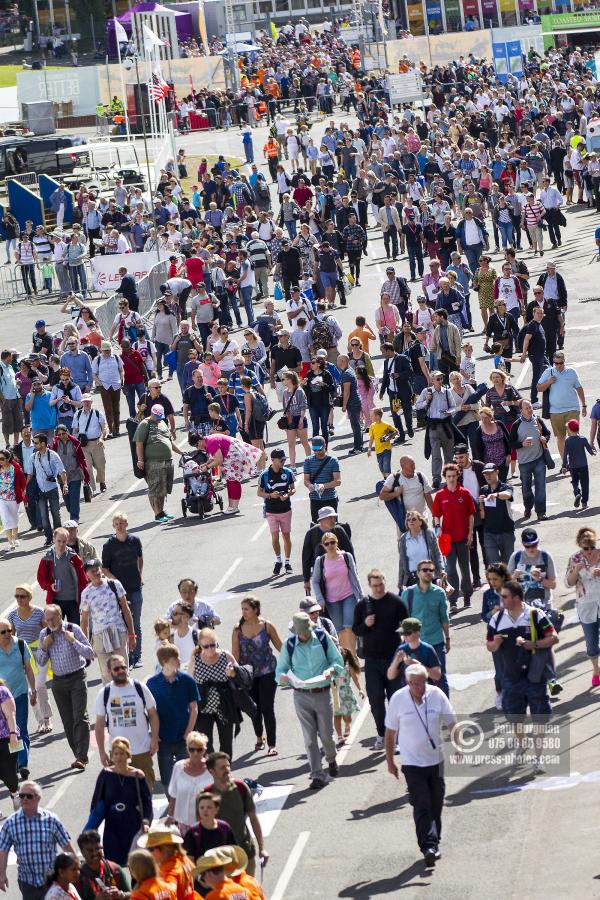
329 279
342 612
384 461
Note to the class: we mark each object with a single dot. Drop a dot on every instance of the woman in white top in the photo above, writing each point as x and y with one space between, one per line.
61 880
225 349
460 395
423 318
583 573
190 776
293 149
183 636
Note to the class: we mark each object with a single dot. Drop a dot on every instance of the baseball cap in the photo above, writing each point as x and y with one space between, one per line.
529 537
70 523
407 626
420 330
573 425
390 269
86 397
158 411
278 454
92 563
461 448
308 605
40 323
490 467
317 442
322 353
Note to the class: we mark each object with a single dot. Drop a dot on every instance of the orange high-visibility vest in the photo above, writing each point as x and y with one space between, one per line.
271 149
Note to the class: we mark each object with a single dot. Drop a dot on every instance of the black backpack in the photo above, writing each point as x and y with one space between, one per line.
106 696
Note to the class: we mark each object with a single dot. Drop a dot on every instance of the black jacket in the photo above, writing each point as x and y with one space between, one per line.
380 641
560 284
399 366
312 545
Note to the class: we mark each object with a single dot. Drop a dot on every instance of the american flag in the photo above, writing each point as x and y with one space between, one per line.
157 87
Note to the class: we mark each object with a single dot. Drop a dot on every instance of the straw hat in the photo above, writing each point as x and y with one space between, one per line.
238 857
159 836
214 859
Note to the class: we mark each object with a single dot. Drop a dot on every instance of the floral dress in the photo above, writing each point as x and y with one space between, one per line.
344 701
367 401
485 289
239 459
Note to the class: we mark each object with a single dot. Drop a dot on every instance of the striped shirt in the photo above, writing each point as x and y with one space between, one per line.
66 657
27 630
533 212
34 839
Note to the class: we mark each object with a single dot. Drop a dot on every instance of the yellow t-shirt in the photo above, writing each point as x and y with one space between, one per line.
377 431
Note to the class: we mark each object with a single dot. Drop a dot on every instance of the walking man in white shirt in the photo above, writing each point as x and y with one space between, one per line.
413 721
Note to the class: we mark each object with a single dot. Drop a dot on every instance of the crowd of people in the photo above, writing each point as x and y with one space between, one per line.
486 172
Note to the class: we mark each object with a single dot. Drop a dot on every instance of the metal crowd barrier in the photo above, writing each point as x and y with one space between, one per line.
148 289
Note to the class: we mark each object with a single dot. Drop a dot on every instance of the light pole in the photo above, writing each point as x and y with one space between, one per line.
128 62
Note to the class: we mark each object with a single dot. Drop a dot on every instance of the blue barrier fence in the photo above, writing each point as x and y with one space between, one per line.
24 203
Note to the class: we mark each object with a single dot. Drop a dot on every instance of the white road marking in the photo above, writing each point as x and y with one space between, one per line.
460 681
269 805
59 793
552 783
291 863
259 531
356 726
227 575
523 373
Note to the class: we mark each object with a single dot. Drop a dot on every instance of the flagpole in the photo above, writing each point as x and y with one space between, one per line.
123 94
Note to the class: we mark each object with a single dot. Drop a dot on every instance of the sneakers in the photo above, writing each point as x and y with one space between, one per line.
16 803
277 568
527 512
430 858
577 500
288 569
554 688
498 701
316 784
333 769
538 768
102 487
378 745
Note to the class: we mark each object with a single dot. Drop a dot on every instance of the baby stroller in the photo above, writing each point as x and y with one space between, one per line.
199 495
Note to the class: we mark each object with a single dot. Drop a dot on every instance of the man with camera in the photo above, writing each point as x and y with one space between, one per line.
48 472
90 429
439 434
377 618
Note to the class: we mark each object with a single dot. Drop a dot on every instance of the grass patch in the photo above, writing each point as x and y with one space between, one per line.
193 161
8 74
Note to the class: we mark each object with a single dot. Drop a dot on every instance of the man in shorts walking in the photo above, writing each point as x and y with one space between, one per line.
154 447
275 487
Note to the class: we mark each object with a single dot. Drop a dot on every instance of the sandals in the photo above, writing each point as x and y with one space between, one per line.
272 751
260 744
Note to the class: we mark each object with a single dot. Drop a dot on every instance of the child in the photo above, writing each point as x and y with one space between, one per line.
218 424
467 365
307 289
208 832
197 484
499 361
363 332
497 575
344 701
380 435
575 461
162 632
48 275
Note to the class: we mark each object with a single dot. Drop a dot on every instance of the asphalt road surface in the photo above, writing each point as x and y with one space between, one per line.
518 835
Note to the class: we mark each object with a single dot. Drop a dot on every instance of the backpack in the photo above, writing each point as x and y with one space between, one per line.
321 335
404 288
293 640
260 407
106 695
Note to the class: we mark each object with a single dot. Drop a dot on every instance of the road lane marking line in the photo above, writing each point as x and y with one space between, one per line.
227 575
269 805
522 374
291 863
259 531
356 726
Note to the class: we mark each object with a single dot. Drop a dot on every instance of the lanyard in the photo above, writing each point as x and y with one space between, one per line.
425 723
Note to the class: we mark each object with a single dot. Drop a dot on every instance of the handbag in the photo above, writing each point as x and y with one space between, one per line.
283 421
549 461
170 359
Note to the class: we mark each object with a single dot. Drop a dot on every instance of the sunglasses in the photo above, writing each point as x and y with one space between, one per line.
6 631
207 646
21 596
427 570
26 796
325 544
119 669
196 750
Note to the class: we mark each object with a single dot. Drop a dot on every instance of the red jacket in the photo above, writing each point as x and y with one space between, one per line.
133 367
79 455
20 482
45 573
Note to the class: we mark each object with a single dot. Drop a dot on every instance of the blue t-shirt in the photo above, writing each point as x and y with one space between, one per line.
348 377
327 467
597 237
172 703
43 416
563 396
425 654
11 668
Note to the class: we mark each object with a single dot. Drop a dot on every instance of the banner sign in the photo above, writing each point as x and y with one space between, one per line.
105 269
405 87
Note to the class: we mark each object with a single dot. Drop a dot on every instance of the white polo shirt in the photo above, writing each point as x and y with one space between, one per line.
415 722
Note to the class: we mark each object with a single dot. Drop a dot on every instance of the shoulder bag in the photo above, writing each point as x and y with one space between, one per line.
550 464
283 421
546 401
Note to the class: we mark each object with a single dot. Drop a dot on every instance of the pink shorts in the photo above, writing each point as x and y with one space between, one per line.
280 522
